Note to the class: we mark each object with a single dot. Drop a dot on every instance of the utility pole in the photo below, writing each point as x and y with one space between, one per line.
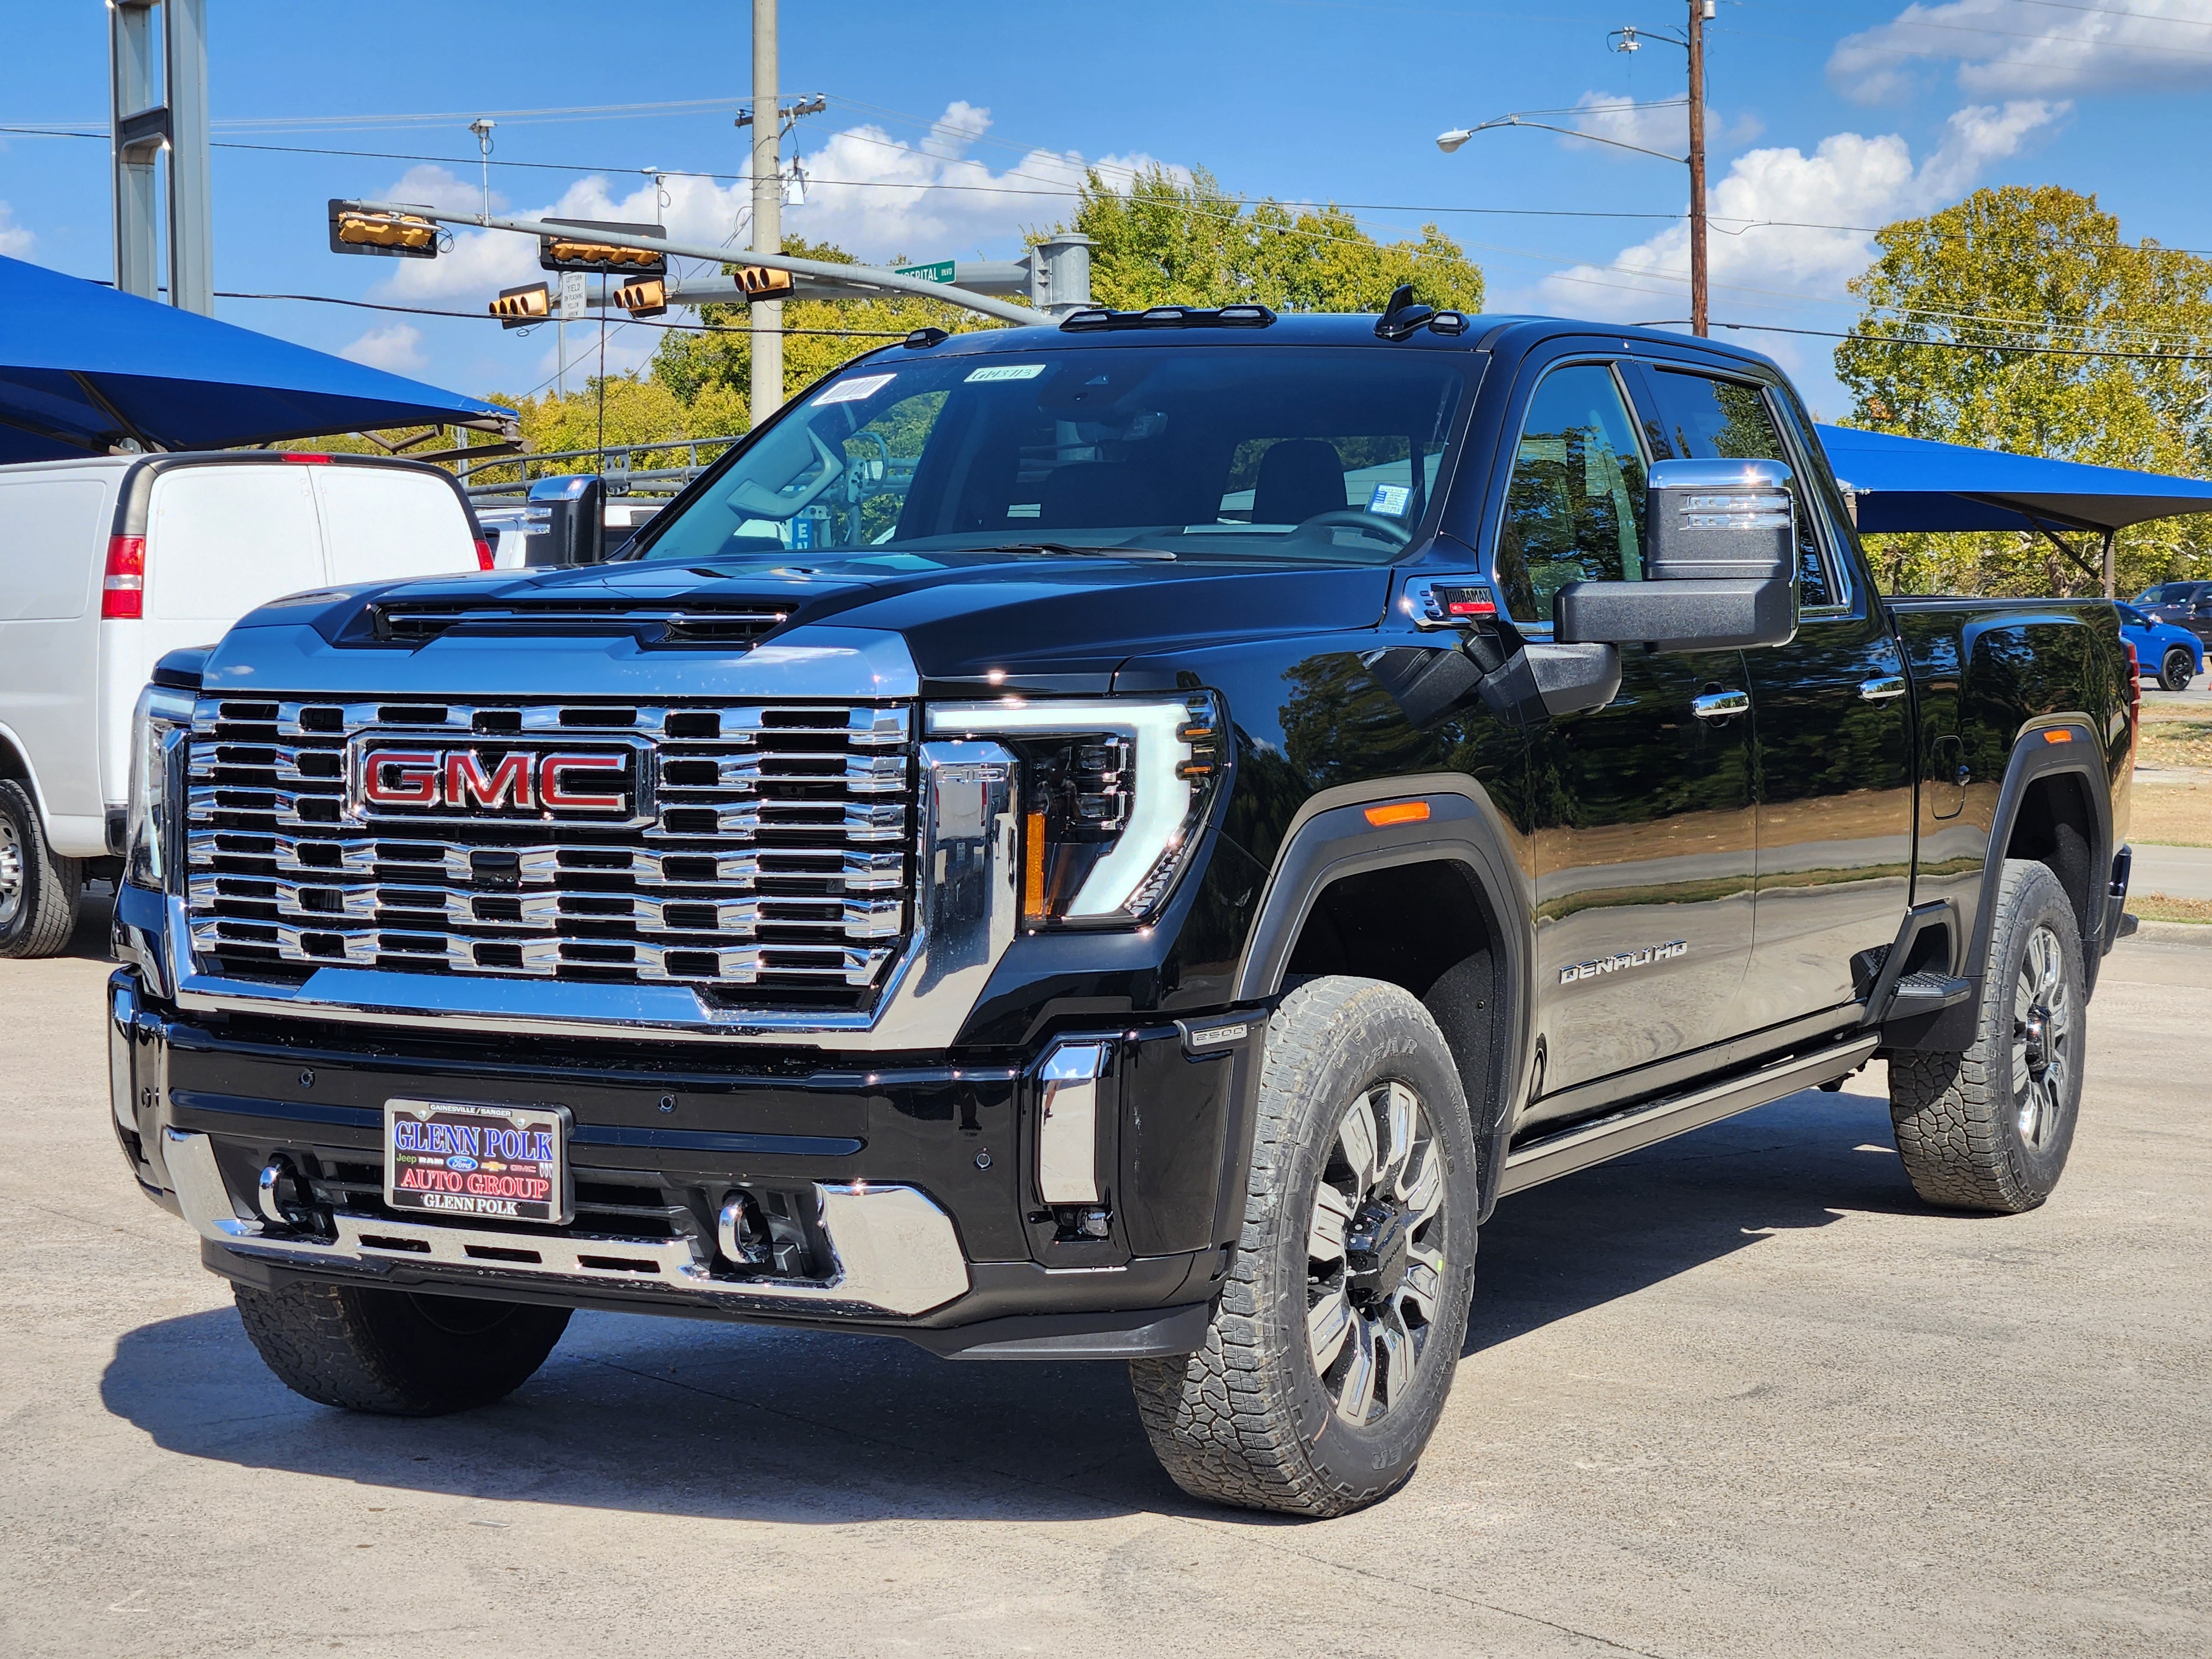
1699 11
766 317
142 125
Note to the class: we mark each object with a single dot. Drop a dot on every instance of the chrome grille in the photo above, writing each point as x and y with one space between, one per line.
776 868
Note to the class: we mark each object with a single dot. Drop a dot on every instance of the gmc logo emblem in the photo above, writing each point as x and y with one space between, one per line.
605 784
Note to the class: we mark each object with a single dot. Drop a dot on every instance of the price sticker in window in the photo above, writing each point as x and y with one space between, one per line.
856 390
1390 500
1005 371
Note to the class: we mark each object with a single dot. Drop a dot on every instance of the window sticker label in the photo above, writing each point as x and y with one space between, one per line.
1391 500
1005 371
855 390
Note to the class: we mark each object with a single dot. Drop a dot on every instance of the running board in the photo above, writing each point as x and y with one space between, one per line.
1585 1144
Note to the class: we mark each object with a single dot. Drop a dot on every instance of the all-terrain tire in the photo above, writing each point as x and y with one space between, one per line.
396 1353
1981 1129
38 888
1251 1418
2177 669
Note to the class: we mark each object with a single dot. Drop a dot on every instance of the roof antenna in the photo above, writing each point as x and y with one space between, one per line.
1403 315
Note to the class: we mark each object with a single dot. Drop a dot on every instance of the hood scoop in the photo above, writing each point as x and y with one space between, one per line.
403 622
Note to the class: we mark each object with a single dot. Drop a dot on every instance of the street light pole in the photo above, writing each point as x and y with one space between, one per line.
766 317
1699 10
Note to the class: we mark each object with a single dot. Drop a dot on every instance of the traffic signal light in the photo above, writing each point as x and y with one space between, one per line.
586 253
760 282
647 296
394 235
518 307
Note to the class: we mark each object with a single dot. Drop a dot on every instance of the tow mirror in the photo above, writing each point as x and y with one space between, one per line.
1720 555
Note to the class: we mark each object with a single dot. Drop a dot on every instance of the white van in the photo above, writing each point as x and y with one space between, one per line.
106 563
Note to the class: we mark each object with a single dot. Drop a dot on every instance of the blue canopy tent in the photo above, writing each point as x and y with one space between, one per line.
84 369
1904 484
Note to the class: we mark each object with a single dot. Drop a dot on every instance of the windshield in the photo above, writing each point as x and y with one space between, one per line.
1315 453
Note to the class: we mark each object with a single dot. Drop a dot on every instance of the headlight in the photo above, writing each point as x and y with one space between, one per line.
1113 791
158 729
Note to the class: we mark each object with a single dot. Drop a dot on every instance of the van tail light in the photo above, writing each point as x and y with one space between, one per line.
484 554
123 589
302 458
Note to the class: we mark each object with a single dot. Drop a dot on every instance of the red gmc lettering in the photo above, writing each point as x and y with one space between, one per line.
400 777
467 786
561 798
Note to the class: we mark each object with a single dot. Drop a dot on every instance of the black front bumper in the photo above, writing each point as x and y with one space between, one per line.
930 1170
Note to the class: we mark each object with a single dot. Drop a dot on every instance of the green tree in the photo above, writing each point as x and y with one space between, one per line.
1163 241
2006 272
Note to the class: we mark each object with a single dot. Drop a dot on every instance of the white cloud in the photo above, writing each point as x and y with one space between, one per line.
14 240
434 186
873 195
1848 180
1664 126
395 347
2008 48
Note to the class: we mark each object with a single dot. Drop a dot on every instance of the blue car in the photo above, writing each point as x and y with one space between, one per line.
2170 655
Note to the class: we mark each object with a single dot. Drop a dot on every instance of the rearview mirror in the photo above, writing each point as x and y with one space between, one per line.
1720 554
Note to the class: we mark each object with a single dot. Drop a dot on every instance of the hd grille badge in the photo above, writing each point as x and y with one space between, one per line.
1613 964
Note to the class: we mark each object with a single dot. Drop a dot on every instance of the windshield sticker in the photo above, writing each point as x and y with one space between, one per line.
1390 500
853 390
1005 371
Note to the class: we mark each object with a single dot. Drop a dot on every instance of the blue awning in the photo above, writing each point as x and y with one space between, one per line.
82 367
1909 483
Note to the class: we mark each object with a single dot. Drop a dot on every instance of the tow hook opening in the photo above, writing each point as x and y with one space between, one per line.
762 1233
285 1200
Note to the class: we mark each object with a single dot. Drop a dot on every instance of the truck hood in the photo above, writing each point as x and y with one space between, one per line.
969 622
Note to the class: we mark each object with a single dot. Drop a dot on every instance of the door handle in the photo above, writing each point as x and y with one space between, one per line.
1882 690
1721 705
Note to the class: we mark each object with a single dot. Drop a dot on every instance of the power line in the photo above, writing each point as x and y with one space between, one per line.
1969 345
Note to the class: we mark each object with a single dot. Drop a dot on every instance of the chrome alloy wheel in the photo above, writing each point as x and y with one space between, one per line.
1375 1257
2042 1037
11 872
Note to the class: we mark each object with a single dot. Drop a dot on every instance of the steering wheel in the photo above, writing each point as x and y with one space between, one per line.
1361 521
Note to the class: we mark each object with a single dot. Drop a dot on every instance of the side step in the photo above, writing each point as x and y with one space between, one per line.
1925 993
1585 1144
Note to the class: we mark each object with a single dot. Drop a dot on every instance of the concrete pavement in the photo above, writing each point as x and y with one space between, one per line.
2176 871
1736 1395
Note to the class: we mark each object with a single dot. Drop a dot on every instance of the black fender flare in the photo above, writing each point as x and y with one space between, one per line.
1330 838
2036 755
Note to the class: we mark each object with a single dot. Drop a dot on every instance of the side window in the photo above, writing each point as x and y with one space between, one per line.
1701 418
1574 509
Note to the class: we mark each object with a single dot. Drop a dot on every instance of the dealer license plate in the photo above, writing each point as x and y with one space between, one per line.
492 1162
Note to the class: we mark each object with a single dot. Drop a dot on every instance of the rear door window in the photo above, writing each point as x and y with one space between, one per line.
1701 418
382 522
1574 508
220 540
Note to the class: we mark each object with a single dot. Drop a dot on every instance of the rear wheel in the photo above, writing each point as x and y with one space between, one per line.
394 1352
1989 1128
2178 668
1327 1362
38 888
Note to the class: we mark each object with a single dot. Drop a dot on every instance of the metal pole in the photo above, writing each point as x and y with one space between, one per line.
191 207
865 281
2111 574
766 317
138 211
1698 312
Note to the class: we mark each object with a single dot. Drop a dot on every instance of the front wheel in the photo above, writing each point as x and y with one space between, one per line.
1330 1357
394 1352
2178 669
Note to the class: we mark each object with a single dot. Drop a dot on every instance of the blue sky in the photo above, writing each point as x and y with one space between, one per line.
951 128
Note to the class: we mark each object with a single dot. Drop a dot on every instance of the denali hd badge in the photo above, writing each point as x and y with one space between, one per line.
398 775
1643 958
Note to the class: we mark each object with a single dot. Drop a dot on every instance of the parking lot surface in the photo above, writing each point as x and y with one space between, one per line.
1736 1394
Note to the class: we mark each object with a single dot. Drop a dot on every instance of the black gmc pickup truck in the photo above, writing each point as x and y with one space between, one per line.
1116 841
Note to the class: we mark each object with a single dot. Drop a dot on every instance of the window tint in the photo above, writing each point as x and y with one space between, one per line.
1701 418
1574 510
